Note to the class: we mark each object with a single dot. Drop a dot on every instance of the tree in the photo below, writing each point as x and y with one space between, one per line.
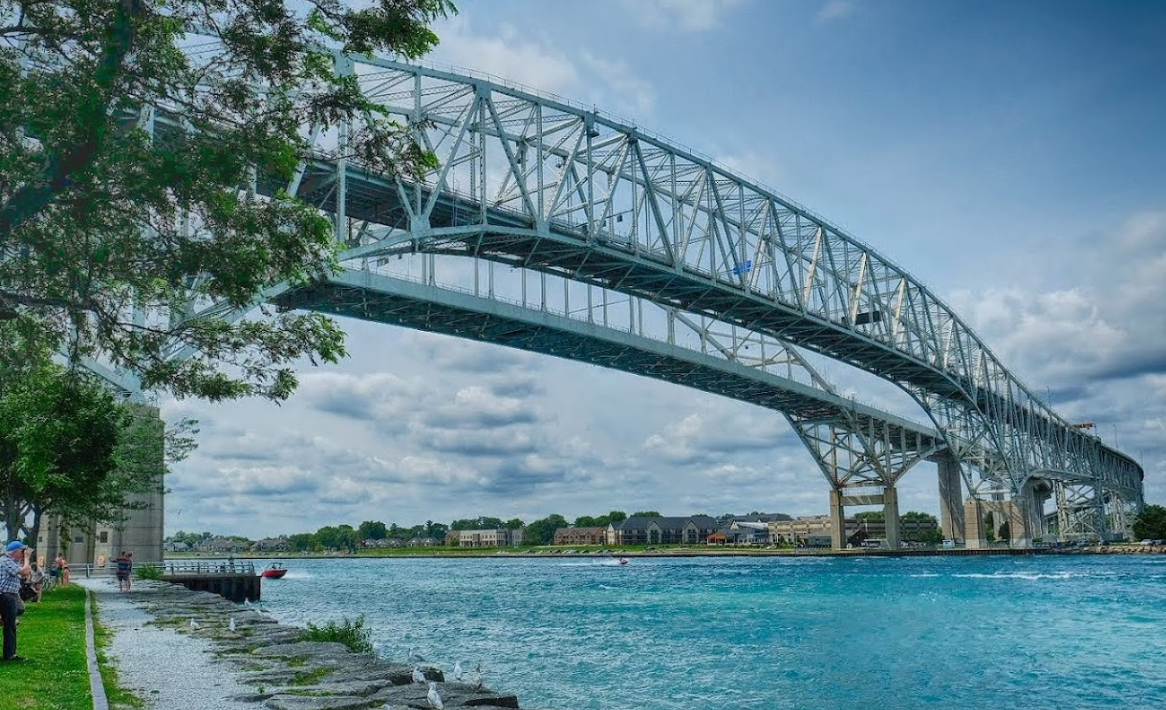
302 542
371 530
872 515
514 524
68 447
646 514
542 532
338 537
586 521
141 182
481 522
1150 524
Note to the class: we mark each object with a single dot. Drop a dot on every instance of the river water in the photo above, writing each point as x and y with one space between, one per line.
581 633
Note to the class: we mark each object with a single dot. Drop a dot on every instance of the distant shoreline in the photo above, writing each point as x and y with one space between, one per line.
494 553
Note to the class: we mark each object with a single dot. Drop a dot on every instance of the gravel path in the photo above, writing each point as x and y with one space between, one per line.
166 669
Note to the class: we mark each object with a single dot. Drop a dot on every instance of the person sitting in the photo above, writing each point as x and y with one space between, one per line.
36 580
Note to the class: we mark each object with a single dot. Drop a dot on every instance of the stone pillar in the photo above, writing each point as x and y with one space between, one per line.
837 521
974 525
951 511
891 515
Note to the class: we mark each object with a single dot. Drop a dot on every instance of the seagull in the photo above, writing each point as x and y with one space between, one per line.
433 698
415 657
476 677
247 601
232 624
193 624
457 671
418 676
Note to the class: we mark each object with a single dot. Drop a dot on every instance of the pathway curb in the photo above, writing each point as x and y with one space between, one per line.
96 687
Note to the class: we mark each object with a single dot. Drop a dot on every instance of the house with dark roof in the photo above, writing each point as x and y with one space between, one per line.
689 530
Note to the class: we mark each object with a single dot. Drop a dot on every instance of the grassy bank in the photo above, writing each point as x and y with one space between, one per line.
52 638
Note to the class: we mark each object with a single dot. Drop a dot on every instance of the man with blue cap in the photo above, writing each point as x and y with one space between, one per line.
13 568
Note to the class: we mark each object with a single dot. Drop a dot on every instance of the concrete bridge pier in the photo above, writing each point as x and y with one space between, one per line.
951 508
839 501
975 537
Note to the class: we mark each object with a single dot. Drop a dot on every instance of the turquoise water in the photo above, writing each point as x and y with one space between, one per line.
574 633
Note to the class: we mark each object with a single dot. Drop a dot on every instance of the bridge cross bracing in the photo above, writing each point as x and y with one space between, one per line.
535 194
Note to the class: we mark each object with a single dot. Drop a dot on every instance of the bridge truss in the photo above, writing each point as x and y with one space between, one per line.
538 199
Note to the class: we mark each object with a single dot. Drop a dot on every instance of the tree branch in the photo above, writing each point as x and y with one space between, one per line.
56 176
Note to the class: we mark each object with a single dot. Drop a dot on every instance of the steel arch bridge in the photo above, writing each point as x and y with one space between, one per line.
598 232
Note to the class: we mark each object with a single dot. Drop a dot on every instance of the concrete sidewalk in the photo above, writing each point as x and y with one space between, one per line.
168 670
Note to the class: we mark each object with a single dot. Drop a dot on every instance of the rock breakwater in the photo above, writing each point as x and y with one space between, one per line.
289 673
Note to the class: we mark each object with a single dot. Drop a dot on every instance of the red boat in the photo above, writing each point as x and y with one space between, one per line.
274 571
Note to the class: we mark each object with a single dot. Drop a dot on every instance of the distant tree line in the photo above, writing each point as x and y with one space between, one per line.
346 537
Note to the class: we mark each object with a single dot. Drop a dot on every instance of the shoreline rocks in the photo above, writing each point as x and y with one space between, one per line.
289 673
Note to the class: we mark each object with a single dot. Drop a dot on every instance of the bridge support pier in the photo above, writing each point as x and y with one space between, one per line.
837 520
951 508
891 516
974 536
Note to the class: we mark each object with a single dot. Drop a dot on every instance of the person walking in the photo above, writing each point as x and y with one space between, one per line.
13 568
125 565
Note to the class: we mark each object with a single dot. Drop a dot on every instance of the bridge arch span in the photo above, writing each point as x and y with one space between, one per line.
542 185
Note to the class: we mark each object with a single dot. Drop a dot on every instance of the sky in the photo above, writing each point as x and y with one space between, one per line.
1009 155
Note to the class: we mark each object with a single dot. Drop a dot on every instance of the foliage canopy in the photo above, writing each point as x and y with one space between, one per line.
134 138
1150 524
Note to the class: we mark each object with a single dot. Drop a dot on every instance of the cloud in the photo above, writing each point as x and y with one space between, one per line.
509 54
834 10
689 15
626 88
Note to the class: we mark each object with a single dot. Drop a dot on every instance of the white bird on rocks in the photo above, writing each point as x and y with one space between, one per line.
193 624
418 676
457 671
476 677
231 626
433 697
246 601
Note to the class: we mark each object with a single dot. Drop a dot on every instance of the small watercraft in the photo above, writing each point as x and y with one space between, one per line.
623 560
274 571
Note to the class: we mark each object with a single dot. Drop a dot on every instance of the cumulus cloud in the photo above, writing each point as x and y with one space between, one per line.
507 53
710 438
689 15
626 88
834 10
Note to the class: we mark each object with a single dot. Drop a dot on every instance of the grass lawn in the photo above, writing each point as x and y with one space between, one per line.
52 637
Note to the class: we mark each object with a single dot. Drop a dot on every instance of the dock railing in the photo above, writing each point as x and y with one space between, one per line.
195 568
